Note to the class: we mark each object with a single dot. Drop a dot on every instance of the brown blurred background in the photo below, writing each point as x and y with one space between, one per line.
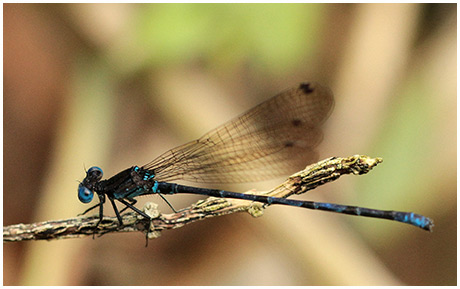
117 85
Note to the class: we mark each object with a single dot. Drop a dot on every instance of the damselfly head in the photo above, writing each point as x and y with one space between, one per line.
85 188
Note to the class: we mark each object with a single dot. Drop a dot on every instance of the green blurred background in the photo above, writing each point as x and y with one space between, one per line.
117 85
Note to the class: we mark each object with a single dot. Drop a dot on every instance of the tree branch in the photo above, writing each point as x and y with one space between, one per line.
311 177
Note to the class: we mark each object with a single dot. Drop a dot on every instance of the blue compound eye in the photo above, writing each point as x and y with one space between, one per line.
85 195
95 172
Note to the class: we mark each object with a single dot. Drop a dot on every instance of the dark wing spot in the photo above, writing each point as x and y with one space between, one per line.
288 144
305 87
296 122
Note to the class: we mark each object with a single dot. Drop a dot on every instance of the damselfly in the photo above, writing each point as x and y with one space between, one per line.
276 137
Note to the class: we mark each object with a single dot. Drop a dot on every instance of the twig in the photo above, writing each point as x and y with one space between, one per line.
311 177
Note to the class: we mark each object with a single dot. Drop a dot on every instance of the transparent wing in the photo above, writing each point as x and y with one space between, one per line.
276 137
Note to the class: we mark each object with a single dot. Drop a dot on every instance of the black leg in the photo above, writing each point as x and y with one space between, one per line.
164 199
116 211
130 205
133 208
101 209
93 207
132 201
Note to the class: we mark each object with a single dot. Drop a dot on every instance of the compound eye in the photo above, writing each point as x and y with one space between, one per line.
95 172
85 195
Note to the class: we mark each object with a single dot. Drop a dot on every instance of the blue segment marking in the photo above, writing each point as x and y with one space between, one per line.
155 187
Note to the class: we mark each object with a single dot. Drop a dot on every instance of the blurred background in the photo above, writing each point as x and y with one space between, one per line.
117 85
